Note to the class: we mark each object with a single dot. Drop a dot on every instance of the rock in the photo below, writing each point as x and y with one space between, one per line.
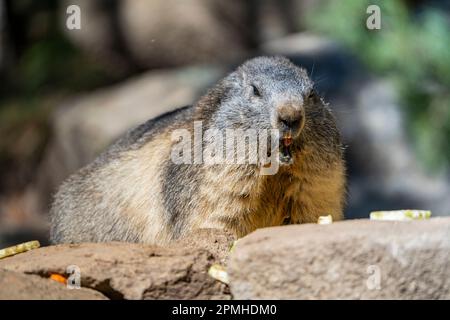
167 33
127 271
344 260
19 286
216 241
86 126
136 35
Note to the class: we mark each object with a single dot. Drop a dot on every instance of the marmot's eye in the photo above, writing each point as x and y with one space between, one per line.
256 91
311 94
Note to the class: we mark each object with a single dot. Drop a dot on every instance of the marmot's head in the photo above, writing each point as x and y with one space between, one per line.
268 93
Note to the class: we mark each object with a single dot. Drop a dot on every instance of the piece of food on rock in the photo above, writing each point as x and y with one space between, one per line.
400 215
59 278
325 219
218 272
23 247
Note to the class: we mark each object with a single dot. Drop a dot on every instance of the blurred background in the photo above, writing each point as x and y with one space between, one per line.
67 94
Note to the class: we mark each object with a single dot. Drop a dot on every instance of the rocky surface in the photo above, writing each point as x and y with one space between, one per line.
19 286
119 271
357 259
217 242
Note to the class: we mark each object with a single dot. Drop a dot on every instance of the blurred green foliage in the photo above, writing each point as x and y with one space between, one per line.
413 49
52 64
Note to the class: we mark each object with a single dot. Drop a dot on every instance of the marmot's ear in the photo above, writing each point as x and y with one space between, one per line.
241 77
245 84
237 79
244 77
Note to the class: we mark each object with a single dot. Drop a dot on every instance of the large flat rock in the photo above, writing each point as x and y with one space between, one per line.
358 259
125 270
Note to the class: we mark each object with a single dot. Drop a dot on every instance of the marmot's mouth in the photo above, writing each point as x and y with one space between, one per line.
286 149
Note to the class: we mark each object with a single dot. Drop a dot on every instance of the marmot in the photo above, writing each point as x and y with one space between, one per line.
134 192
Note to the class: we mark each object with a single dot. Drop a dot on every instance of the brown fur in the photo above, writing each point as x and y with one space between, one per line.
134 193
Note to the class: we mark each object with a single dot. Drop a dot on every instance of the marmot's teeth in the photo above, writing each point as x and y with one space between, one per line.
287 141
286 155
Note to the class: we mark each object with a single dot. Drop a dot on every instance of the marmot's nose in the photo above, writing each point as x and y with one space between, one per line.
290 118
